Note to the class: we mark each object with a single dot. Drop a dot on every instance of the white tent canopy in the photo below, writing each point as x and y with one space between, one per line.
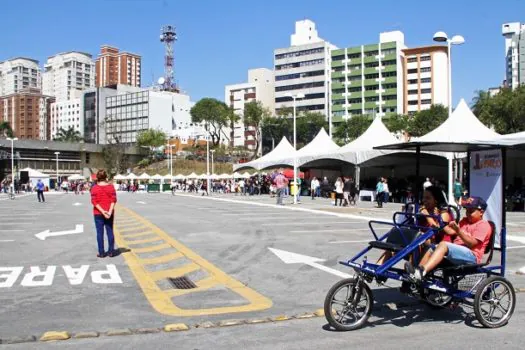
192 176
179 177
35 173
76 177
361 149
321 144
157 177
225 176
144 176
461 123
119 177
131 176
284 150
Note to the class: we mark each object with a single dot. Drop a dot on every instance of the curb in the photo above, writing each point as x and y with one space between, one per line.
181 327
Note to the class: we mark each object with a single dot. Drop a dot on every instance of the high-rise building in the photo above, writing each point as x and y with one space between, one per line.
260 87
130 113
66 115
514 34
25 113
368 79
114 67
425 70
303 68
66 74
18 74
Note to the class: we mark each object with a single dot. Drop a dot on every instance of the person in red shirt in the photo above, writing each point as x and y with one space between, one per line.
103 198
471 237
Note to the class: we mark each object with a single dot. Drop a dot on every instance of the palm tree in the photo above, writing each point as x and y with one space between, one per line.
5 129
69 135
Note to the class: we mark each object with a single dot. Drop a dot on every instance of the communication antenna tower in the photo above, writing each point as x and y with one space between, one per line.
168 37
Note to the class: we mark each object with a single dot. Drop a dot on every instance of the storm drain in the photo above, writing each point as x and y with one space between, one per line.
182 283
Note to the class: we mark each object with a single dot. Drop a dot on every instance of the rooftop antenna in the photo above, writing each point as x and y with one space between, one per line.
168 37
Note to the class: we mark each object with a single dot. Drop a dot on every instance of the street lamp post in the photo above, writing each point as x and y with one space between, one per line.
56 185
208 159
12 139
295 97
212 165
455 40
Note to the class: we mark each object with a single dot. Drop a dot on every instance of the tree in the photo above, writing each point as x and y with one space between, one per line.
6 130
214 114
503 111
116 161
254 113
275 128
232 118
152 139
352 128
308 125
427 120
285 112
69 135
397 123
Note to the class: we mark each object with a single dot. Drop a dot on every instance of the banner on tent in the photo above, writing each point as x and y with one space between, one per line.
486 169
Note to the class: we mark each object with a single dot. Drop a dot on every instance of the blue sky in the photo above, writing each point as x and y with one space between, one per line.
220 40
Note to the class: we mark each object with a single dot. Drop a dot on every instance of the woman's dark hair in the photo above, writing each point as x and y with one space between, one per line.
102 175
438 195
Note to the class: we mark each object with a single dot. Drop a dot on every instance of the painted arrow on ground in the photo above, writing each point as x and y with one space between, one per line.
294 258
45 234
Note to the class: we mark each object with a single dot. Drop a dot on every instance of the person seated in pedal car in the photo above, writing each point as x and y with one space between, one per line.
471 237
434 203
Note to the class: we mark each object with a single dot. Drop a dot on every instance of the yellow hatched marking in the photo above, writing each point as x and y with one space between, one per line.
162 300
132 235
145 240
134 229
146 249
161 259
177 272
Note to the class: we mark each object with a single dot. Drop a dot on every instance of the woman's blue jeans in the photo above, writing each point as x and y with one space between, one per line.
100 223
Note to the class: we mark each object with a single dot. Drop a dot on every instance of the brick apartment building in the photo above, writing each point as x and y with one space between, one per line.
115 67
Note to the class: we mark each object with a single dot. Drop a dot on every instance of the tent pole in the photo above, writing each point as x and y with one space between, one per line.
503 235
416 190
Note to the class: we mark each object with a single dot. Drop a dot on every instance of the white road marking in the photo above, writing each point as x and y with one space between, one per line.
516 247
349 230
6 240
522 270
141 202
15 230
337 242
293 258
77 204
312 223
17 223
45 234
292 208
519 239
516 223
267 218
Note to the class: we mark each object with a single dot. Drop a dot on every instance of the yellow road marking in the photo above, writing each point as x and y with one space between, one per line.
153 248
161 259
145 233
141 241
161 300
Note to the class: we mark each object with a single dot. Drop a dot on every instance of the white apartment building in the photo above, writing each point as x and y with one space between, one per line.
130 113
260 87
65 115
514 34
67 73
303 68
18 74
426 72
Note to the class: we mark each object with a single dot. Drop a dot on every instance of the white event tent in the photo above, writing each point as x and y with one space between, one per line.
284 150
35 175
144 176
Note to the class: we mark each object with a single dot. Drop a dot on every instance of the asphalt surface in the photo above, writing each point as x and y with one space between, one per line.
225 237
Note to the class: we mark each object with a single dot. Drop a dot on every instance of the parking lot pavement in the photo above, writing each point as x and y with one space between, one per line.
221 244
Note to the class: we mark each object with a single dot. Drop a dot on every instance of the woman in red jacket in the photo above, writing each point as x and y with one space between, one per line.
103 198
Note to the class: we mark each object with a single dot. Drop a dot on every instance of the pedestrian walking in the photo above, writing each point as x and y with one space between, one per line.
379 193
103 198
40 191
339 191
281 182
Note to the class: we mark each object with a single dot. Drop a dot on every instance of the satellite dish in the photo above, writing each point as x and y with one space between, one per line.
161 81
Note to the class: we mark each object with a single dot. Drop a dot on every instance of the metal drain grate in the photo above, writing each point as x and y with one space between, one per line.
182 282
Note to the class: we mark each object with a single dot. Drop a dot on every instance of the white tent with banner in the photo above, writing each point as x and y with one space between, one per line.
35 175
284 150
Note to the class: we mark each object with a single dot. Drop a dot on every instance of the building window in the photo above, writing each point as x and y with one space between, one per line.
412 71
426 80
353 55
425 58
426 91
425 69
412 59
426 102
299 53
412 81
412 103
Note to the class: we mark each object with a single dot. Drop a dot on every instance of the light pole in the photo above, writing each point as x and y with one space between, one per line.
56 186
208 159
442 37
212 167
295 97
170 160
12 139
